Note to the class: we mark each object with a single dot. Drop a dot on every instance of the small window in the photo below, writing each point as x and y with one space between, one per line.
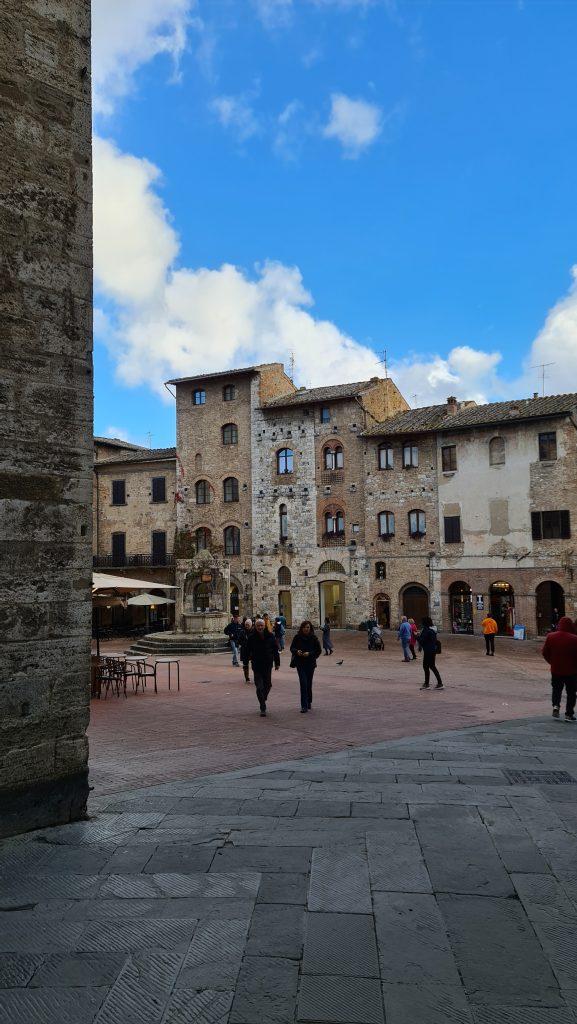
386 525
119 492
159 488
410 456
199 397
449 458
497 451
230 433
283 522
452 529
284 461
334 458
548 447
385 456
284 576
230 489
335 523
356 528
325 414
159 547
417 523
202 537
551 525
380 571
118 548
202 490
229 393
232 540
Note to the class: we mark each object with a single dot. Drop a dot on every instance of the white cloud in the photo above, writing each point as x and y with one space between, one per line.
466 372
556 343
237 114
127 34
354 123
119 433
274 13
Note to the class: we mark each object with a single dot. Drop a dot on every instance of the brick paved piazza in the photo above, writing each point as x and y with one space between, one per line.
213 724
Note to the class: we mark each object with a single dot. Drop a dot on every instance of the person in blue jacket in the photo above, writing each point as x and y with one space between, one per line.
405 635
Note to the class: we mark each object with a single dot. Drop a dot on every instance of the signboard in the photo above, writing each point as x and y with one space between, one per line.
480 602
518 632
206 577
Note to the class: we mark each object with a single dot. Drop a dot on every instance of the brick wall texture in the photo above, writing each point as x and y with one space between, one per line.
46 410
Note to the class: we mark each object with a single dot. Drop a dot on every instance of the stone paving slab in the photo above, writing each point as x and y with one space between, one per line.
408 882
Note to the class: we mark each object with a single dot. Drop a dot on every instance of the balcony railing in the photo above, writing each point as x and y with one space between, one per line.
333 540
332 476
132 561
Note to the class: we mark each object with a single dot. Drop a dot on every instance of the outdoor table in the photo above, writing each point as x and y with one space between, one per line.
169 662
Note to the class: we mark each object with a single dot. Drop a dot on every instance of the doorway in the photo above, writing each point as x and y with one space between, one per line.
550 600
234 599
332 603
461 607
285 606
502 599
383 610
415 602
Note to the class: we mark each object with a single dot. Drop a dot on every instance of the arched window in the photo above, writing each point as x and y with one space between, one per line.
380 571
331 565
230 433
201 597
497 451
410 456
284 576
232 540
417 523
385 456
230 489
283 522
284 461
386 525
334 457
198 462
335 523
202 537
202 489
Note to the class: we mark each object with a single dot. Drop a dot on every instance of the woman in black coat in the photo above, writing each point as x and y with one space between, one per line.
305 650
427 641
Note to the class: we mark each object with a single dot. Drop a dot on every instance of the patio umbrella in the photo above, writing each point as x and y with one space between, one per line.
149 599
112 587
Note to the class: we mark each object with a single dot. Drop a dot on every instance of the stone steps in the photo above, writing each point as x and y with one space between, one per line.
167 644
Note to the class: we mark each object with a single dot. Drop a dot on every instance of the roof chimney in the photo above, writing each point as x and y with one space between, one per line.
452 405
535 394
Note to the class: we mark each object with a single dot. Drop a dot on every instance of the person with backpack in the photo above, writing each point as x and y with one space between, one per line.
305 650
560 651
327 642
261 650
430 646
279 632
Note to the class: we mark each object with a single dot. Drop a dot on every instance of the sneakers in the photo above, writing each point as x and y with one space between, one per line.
555 712
425 686
439 686
263 711
570 718
304 711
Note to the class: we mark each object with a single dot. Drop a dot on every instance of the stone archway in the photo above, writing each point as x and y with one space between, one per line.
415 601
550 605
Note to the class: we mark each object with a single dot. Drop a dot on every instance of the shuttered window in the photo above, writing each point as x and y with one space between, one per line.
551 525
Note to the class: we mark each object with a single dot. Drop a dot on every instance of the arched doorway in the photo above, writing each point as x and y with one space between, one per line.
461 607
550 598
332 602
383 610
285 606
502 599
201 597
415 601
234 599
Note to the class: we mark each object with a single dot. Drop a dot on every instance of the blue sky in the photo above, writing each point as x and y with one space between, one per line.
333 178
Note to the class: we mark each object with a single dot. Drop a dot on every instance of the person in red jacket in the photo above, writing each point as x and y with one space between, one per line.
560 650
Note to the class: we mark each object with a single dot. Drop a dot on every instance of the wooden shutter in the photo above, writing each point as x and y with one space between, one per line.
564 516
536 525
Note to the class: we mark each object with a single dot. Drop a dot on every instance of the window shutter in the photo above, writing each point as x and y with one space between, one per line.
536 525
565 524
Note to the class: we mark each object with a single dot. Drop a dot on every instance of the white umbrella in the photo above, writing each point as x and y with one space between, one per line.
149 599
112 586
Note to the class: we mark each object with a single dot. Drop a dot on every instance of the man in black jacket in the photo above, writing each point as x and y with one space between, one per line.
235 634
261 649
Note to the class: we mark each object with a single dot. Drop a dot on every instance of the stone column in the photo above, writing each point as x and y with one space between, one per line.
45 410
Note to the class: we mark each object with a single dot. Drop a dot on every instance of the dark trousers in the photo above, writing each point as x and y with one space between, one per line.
263 683
429 666
489 643
305 674
570 684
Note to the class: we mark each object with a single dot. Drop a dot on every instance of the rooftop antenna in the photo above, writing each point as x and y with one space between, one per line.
386 366
414 397
543 368
292 366
149 436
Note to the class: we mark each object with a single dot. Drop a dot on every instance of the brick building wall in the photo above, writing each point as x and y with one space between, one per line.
139 516
46 404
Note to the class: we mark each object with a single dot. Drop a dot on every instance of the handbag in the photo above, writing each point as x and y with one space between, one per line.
293 661
438 647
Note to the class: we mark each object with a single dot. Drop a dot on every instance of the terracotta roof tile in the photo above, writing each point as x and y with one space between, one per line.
437 417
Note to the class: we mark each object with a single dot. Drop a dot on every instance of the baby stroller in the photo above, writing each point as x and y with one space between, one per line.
376 640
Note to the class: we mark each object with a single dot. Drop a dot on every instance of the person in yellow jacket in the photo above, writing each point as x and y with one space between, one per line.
489 627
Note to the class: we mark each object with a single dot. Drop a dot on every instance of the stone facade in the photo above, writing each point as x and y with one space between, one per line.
46 406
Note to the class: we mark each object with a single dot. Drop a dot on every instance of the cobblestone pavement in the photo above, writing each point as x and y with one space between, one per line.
429 880
213 724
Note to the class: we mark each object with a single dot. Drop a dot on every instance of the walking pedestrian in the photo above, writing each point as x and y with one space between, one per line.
429 645
414 635
261 650
305 650
279 632
489 627
560 651
234 633
267 623
327 642
247 630
404 635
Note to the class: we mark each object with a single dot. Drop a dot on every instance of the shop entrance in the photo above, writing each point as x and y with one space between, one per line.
332 603
415 603
383 610
502 598
285 606
550 600
461 607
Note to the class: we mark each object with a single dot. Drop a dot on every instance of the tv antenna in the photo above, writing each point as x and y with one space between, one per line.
292 366
543 368
149 436
385 364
